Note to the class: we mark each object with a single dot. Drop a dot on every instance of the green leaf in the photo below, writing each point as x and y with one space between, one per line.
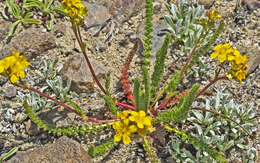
13 27
9 154
136 93
51 22
160 63
111 104
180 112
59 10
77 108
28 15
33 3
49 3
32 21
147 87
107 86
100 150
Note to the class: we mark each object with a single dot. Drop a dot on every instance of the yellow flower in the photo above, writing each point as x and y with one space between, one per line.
240 75
221 51
131 122
225 52
13 66
124 116
75 10
123 131
141 119
213 15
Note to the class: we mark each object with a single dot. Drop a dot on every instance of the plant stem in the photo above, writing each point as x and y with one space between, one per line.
224 116
163 103
83 49
61 104
125 106
189 59
210 83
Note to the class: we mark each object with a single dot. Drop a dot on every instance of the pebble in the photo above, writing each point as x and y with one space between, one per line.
10 91
6 104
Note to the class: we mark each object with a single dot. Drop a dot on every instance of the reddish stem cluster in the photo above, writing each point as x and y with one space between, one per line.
124 75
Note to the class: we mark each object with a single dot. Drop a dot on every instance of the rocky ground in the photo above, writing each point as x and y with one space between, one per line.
107 51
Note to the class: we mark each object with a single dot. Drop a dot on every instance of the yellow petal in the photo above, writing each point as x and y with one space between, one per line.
214 55
21 74
140 125
126 121
126 139
132 118
132 129
142 113
16 54
147 121
14 79
117 137
222 58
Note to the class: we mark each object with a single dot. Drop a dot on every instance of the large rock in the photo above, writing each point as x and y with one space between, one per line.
63 150
97 16
31 42
75 68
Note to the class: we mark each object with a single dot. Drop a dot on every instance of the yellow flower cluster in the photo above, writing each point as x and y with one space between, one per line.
225 52
213 15
131 122
75 10
13 66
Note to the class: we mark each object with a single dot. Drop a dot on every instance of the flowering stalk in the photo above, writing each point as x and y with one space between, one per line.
77 11
189 59
210 83
83 49
61 104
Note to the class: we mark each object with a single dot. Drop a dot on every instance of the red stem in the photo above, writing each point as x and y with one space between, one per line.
163 103
79 39
62 104
189 59
126 106
210 83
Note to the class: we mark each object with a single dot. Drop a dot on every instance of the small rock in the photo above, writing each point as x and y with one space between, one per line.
63 150
251 4
100 48
19 117
3 80
75 68
10 91
6 104
2 144
31 42
206 3
4 27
